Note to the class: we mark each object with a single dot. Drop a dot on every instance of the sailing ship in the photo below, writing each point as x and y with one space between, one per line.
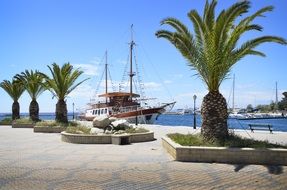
125 105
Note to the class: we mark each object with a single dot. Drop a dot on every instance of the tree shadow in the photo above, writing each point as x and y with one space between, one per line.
272 169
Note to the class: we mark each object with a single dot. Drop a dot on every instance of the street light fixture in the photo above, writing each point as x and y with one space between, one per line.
194 113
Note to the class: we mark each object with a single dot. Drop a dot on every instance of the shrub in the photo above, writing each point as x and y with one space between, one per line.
78 130
56 124
231 141
6 121
188 140
24 120
47 123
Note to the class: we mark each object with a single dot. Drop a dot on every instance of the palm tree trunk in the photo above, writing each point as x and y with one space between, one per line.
214 117
61 111
34 110
15 110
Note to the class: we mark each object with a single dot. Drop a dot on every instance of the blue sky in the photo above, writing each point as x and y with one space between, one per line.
36 33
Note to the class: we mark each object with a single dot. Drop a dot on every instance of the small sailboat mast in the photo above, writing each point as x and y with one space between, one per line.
276 100
131 63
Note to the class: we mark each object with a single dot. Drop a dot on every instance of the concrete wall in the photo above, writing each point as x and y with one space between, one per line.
225 155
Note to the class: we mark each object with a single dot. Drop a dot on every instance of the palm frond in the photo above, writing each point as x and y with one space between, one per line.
14 89
212 49
247 48
33 82
63 80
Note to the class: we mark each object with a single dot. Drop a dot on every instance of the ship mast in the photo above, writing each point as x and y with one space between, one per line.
106 71
131 63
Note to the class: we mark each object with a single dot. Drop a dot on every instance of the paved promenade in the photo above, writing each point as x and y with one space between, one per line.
41 161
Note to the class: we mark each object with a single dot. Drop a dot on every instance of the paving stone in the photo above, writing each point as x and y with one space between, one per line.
23 184
92 175
41 161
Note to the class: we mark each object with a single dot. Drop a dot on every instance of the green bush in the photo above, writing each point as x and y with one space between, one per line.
70 124
6 121
52 123
231 141
24 120
47 123
188 140
78 130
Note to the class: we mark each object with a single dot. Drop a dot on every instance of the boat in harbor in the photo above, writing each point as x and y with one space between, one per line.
125 105
184 111
252 116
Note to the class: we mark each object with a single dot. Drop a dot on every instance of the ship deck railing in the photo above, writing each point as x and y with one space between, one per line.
129 108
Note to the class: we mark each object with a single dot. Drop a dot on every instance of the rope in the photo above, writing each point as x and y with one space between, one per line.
139 80
123 87
157 74
99 84
113 86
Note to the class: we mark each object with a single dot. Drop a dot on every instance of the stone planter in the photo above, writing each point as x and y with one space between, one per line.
225 154
107 138
48 129
23 125
142 137
123 139
5 124
86 139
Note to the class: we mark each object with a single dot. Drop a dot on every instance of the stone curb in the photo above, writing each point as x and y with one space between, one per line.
24 125
224 154
48 129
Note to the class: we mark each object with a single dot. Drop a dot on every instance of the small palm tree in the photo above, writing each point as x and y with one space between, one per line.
15 90
212 50
61 85
33 83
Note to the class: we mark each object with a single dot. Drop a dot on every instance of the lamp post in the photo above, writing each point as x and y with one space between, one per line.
194 114
73 111
137 115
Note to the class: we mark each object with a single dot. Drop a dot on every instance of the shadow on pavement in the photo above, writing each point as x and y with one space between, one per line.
272 169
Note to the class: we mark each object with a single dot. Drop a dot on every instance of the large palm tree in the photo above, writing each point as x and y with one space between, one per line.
15 90
33 82
212 49
62 83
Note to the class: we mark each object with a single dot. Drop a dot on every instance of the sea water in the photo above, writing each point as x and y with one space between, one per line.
43 116
186 120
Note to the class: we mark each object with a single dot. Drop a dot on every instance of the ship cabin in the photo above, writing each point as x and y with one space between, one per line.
115 102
